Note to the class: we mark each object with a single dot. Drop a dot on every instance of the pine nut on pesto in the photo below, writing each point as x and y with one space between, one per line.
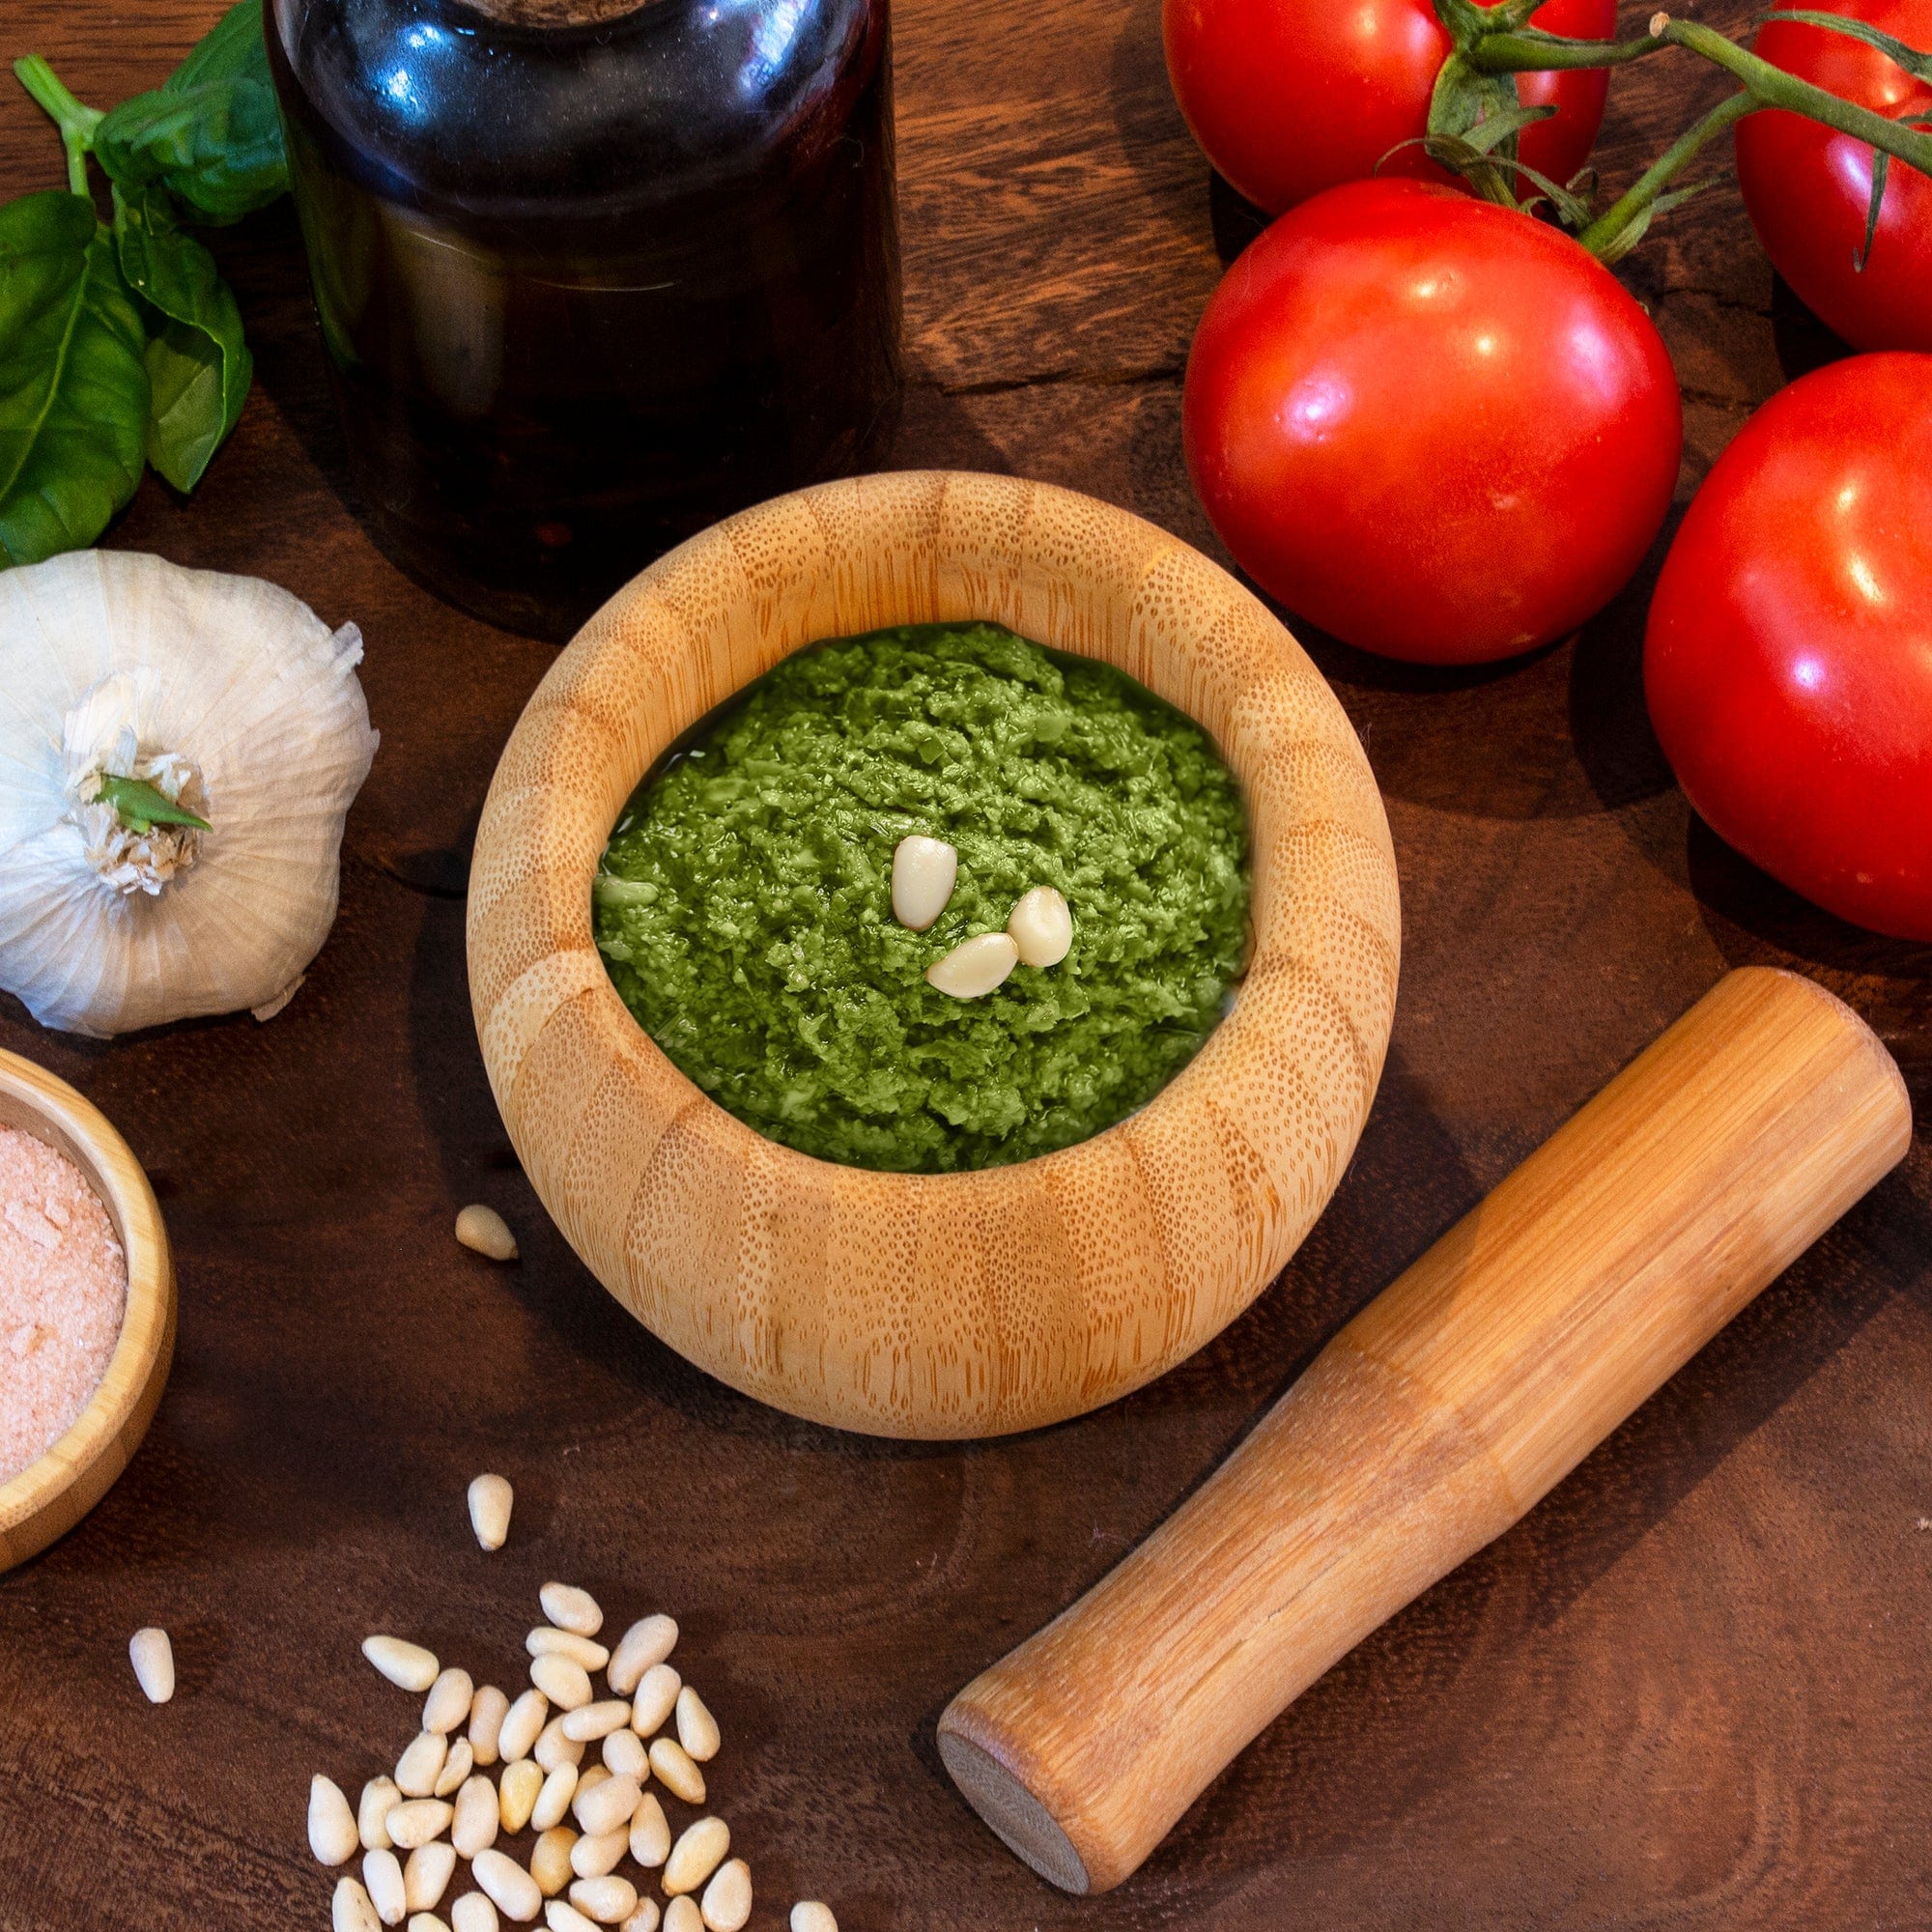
745 906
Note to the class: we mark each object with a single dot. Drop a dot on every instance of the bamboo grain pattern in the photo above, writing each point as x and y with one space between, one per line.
950 1306
1436 1418
52 1494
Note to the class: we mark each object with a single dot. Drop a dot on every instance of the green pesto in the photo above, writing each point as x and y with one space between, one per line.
743 905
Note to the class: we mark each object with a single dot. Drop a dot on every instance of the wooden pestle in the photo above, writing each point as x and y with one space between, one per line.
1435 1419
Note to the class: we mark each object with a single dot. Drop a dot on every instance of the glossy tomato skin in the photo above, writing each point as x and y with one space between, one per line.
1788 662
1433 426
1807 187
1291 96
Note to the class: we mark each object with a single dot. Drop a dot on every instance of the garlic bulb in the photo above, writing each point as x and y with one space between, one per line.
232 700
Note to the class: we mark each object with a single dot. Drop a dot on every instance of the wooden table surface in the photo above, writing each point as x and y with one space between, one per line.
1691 1689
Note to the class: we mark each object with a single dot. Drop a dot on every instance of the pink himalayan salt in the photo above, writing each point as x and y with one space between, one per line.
63 1291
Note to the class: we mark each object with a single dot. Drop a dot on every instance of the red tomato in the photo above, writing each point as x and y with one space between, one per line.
1290 97
1808 188
1788 663
1435 427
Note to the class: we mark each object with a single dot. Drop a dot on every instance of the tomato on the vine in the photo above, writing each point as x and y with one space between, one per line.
1808 188
1788 663
1291 96
1435 427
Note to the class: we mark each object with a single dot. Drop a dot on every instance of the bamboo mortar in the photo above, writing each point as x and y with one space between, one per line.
1435 1419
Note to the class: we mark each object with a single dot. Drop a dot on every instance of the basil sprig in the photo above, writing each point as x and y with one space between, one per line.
121 343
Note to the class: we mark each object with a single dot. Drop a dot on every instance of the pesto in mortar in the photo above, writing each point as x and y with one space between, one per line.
743 905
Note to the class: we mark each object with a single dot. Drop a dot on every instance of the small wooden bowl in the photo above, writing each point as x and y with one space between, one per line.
935 1305
50 1495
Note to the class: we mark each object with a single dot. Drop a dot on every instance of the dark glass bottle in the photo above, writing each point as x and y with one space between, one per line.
592 274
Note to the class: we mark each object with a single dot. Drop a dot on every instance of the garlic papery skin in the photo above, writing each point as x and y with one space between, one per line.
233 700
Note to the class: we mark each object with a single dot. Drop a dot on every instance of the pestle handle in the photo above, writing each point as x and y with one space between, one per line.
1435 1419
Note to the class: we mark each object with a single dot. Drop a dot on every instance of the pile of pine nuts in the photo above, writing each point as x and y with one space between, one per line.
440 1806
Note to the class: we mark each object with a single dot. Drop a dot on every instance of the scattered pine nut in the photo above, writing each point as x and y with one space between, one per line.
490 1500
383 1878
566 1684
474 1818
473 1912
487 1231
609 1901
807 1916
407 1665
523 1726
510 1888
554 1748
625 1754
649 1641
549 1861
487 1711
379 1797
697 1855
548 1641
675 1771
416 1822
153 1656
447 1708
697 1728
974 967
570 1609
421 1764
518 1796
425 1922
591 1776
562 1917
331 1824
727 1899
456 1769
594 1857
650 1832
643 1920
554 1800
352 1910
605 1806
657 1694
427 1875
1042 926
682 1915
925 871
590 1722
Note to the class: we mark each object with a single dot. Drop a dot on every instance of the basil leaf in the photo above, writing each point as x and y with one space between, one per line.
198 365
142 807
73 378
211 133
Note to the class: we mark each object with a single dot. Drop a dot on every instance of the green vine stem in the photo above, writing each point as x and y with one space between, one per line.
75 119
1621 225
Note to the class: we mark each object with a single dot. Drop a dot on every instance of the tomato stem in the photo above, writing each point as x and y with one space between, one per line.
1621 225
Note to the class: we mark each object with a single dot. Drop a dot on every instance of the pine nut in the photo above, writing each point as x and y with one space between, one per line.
807 1916
407 1665
487 1231
473 1912
490 1500
425 1922
649 1641
474 1818
427 1875
331 1824
608 1900
682 1915
643 1920
417 1821
697 1855
523 1724
727 1899
593 1857
153 1656
625 1754
974 967
548 1641
606 1806
697 1728
554 1800
522 1781
383 1877
510 1887
421 1764
549 1861
590 1722
565 1684
456 1769
650 1832
570 1609
589 1777
554 1748
1042 926
447 1708
379 1797
925 871
352 1910
675 1771
657 1694
487 1711
562 1917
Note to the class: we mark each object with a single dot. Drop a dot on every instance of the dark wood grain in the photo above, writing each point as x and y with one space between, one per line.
1691 1691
